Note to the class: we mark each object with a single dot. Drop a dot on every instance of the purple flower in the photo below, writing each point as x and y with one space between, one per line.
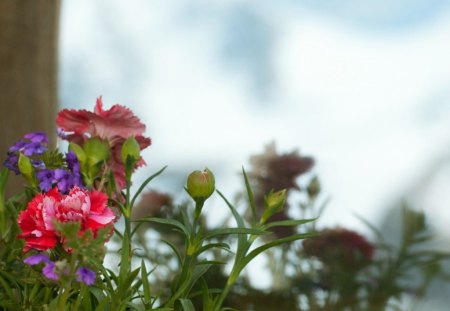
49 271
85 275
46 179
74 165
31 144
18 146
64 180
37 259
38 164
37 137
11 163
34 148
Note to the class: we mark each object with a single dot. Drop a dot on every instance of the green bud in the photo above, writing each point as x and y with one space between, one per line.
25 167
200 185
81 155
97 150
130 148
274 204
313 188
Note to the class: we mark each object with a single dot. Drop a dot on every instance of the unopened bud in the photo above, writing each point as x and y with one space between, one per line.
274 204
313 188
25 167
131 149
200 185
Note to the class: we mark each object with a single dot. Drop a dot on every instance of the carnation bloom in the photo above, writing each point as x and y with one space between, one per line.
114 125
79 205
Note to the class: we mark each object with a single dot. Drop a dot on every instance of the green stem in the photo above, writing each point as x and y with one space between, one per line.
189 259
67 283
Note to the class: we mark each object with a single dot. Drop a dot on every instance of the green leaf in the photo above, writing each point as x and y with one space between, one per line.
251 198
186 304
145 183
228 231
271 244
145 283
174 249
288 223
8 289
166 221
242 239
103 306
223 246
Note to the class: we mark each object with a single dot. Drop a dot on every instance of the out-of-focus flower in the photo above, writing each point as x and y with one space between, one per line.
46 178
87 207
36 259
114 125
49 271
152 204
274 172
85 275
340 248
64 180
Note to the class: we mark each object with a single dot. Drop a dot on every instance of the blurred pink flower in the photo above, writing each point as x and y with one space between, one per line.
114 125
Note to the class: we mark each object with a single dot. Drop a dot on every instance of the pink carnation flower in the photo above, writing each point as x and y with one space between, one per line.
114 125
87 207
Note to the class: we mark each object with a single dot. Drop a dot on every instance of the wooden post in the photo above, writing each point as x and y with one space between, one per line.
28 70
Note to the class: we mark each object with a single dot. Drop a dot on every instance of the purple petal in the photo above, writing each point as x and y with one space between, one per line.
49 271
86 276
37 137
37 259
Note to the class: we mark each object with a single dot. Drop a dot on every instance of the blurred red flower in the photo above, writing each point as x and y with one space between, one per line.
340 247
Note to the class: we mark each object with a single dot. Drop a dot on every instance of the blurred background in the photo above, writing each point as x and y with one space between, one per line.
361 86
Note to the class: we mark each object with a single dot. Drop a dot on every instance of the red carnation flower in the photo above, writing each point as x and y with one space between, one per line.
114 125
87 207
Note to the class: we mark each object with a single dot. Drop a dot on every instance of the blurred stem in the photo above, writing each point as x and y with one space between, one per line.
67 283
189 260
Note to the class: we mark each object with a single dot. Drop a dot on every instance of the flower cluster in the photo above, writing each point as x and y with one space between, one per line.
30 156
71 188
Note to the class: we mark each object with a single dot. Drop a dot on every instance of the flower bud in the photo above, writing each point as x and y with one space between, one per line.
97 150
313 188
274 204
25 167
200 185
130 148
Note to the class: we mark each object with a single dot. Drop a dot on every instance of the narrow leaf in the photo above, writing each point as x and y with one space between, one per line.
145 183
251 198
